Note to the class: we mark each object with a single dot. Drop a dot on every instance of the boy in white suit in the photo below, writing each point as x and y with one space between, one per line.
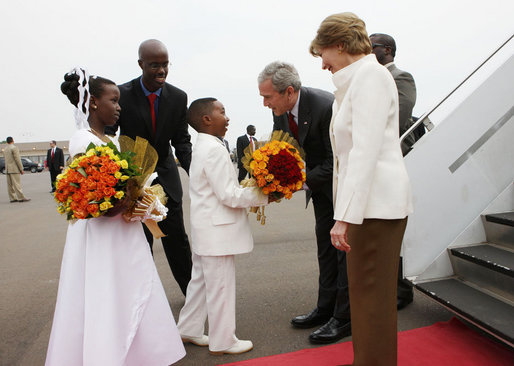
219 230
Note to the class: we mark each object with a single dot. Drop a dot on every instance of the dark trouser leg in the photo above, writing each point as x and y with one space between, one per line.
242 174
372 273
175 244
405 291
333 281
53 177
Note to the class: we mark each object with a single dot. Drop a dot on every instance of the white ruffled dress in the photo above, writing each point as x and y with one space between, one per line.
111 307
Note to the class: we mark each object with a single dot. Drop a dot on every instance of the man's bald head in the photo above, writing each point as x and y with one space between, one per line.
151 46
154 62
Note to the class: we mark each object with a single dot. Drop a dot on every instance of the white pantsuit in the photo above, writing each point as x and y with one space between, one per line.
219 230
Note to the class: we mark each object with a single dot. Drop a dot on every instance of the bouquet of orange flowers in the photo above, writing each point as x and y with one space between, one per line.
276 167
94 182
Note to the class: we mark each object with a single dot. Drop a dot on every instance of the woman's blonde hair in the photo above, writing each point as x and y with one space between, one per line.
346 29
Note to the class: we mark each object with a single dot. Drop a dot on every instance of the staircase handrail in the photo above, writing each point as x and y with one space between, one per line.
424 118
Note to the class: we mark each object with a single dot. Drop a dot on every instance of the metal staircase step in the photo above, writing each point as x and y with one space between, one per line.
499 228
495 258
488 313
505 218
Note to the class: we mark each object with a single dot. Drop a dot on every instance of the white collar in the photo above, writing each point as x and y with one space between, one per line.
294 111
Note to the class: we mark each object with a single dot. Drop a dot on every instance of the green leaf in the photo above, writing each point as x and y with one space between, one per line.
74 185
82 171
90 146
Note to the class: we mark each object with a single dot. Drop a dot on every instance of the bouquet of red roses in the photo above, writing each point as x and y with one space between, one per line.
94 182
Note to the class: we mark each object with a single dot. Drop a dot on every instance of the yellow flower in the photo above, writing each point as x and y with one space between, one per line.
124 178
269 177
119 194
104 206
89 153
61 209
253 165
257 155
96 214
117 175
124 164
262 165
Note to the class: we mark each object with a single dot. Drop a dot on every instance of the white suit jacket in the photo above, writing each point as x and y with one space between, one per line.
370 179
219 222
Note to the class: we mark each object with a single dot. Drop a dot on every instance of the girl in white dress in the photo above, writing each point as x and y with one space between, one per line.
111 307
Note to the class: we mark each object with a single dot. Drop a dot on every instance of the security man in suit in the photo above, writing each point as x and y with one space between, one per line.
54 162
156 111
13 170
305 113
241 144
384 48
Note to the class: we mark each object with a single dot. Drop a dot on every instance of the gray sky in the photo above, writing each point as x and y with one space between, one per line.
217 48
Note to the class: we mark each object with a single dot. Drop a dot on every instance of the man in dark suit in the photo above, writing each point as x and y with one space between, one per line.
241 144
306 113
54 162
384 48
156 111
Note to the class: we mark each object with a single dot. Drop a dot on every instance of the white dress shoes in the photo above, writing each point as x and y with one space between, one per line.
202 341
239 347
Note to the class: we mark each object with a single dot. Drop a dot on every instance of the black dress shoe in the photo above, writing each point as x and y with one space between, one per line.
402 303
313 319
333 331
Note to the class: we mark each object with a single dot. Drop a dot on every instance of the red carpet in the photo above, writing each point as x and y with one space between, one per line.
442 344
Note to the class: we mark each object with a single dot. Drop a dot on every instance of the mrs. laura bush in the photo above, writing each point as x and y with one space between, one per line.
372 195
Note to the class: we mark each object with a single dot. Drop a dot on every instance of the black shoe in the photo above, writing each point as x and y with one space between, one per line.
331 332
313 319
402 303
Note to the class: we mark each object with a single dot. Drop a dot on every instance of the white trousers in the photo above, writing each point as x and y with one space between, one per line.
211 294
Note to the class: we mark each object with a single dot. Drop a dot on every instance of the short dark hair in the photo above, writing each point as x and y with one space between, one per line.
9 139
387 41
249 127
54 142
197 110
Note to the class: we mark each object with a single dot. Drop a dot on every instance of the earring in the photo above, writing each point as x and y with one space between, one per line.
95 107
340 51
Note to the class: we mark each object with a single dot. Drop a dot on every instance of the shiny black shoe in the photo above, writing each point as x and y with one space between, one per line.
313 319
331 332
402 303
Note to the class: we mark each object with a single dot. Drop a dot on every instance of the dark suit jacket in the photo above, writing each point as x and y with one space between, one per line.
406 98
171 128
57 161
241 144
314 115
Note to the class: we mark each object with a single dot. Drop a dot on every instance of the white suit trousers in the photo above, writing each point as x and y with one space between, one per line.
211 294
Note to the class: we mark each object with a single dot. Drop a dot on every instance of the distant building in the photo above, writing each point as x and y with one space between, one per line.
36 151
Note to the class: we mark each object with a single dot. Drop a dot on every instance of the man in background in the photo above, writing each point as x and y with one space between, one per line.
156 111
13 170
241 144
54 162
384 48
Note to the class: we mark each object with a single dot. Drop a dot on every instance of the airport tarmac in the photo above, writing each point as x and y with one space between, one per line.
275 282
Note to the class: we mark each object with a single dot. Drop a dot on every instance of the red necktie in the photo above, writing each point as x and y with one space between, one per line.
151 98
251 144
293 126
52 155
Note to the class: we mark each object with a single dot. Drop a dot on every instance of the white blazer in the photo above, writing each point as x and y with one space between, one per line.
370 179
219 222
